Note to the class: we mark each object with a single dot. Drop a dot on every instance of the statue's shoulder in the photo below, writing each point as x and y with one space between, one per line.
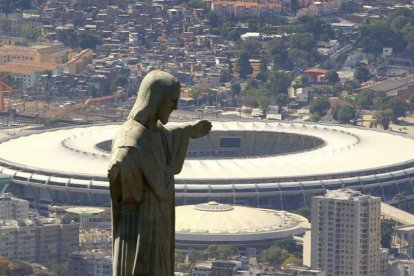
130 134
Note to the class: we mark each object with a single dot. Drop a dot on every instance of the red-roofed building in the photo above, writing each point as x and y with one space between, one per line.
315 74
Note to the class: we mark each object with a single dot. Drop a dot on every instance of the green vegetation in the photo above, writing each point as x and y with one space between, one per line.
285 250
384 117
89 40
118 81
215 251
319 105
243 65
304 212
397 33
31 32
387 229
332 77
361 74
345 114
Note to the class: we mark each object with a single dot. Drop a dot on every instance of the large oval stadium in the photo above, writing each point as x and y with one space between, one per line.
259 163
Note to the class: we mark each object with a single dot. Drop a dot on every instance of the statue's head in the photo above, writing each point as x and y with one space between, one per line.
158 96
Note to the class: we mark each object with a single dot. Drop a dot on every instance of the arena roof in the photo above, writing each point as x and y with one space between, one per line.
213 221
73 152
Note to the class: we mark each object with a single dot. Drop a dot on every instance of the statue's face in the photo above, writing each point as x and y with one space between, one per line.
167 106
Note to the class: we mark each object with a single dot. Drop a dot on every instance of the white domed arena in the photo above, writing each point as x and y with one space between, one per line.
198 226
277 165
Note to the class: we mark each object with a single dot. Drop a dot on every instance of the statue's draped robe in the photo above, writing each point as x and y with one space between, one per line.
141 176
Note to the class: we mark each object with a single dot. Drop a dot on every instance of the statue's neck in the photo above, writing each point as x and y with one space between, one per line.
150 123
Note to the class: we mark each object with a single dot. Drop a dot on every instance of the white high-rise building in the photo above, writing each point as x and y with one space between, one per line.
346 233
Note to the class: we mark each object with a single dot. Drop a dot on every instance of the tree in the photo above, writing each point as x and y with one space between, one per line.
411 103
250 46
278 53
118 81
361 74
292 260
274 255
350 86
346 113
380 101
314 117
31 32
303 41
220 251
319 105
214 19
279 83
263 98
244 65
304 212
235 88
88 40
314 25
300 58
399 22
398 107
234 35
332 77
282 100
387 230
263 69
384 117
365 99
373 37
249 98
195 93
408 34
294 5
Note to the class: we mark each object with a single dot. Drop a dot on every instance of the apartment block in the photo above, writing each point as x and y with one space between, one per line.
239 9
11 24
12 208
90 263
17 240
346 233
54 242
40 240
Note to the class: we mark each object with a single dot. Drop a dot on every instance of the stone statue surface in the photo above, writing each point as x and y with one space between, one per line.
146 154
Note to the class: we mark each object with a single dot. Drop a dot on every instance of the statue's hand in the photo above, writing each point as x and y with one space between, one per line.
200 128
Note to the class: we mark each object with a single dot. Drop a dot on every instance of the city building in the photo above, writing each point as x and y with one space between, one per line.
392 87
79 62
13 208
400 268
26 64
17 240
55 241
90 263
240 9
11 24
39 240
346 233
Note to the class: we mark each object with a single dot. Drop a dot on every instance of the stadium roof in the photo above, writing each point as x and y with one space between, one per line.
73 151
213 221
